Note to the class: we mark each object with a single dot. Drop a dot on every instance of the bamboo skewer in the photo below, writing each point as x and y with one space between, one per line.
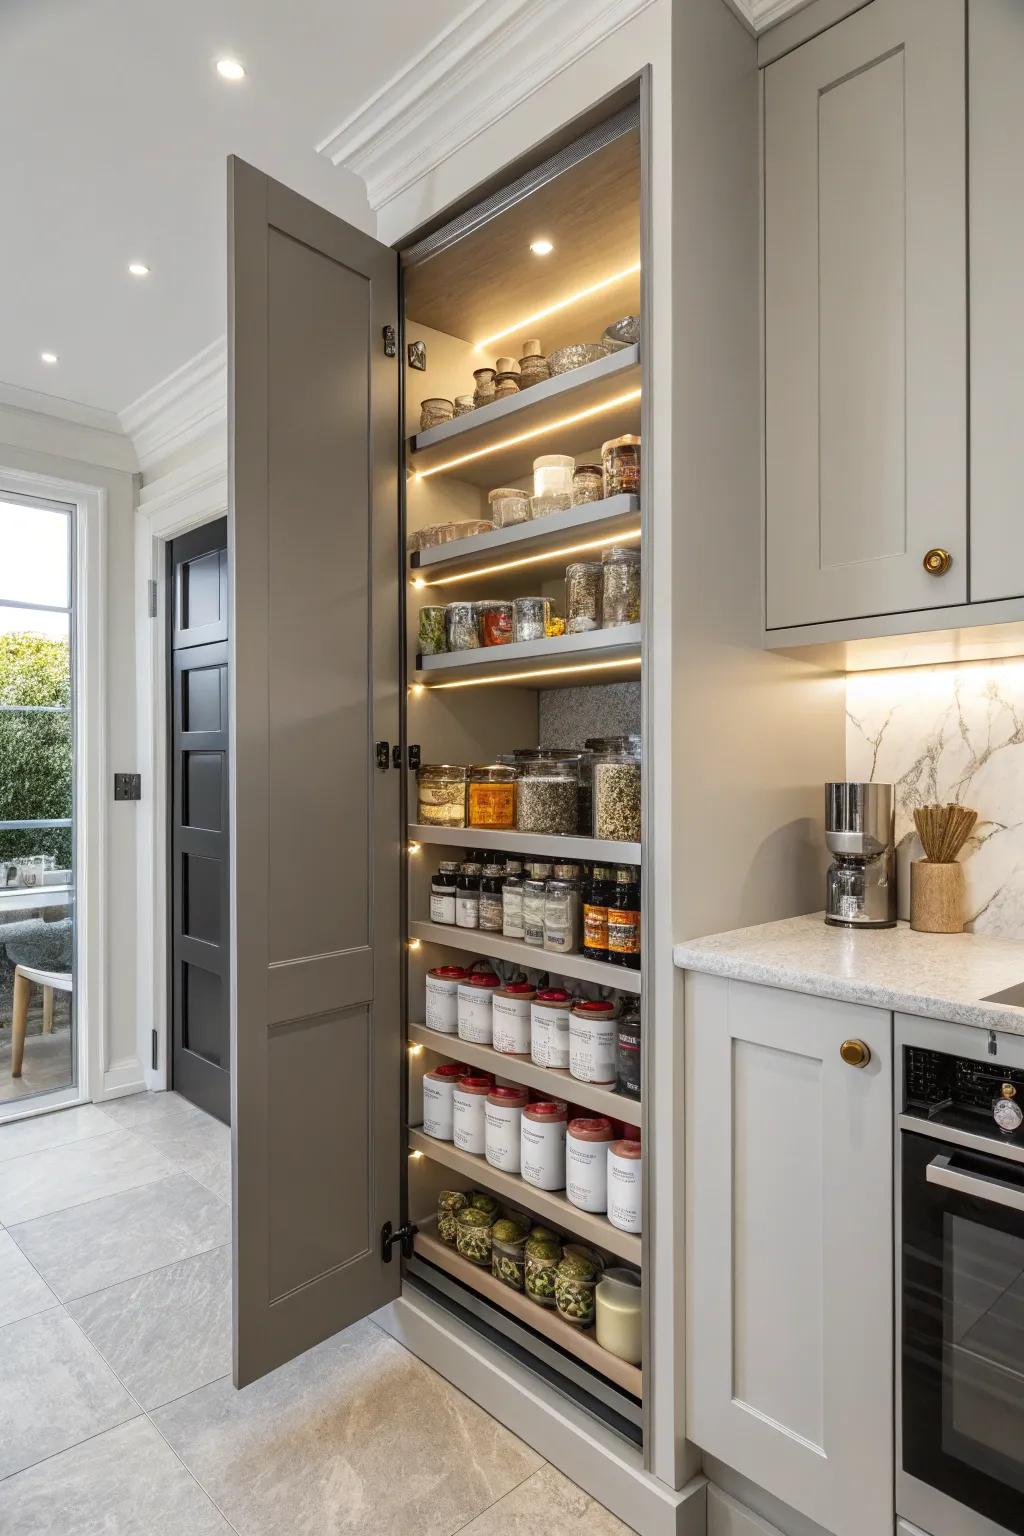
943 830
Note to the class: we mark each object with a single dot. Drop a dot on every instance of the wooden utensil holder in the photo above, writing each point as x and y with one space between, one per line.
936 897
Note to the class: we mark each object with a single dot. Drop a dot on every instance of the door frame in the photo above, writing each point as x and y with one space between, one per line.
198 494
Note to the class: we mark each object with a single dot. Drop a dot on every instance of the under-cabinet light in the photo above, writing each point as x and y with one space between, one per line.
415 1156
548 554
523 326
416 689
413 848
534 432
413 943
577 669
415 1050
418 582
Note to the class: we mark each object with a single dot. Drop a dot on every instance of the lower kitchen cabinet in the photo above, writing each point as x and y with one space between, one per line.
789 1247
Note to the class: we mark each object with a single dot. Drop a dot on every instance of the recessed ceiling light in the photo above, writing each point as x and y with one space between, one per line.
48 357
541 247
230 69
138 269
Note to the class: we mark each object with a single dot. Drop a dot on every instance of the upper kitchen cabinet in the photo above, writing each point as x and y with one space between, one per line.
866 316
996 51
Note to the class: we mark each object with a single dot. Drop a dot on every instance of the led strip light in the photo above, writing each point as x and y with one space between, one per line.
622 537
534 432
523 326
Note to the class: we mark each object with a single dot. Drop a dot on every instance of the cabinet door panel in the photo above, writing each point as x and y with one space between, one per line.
789 1248
996 53
865 315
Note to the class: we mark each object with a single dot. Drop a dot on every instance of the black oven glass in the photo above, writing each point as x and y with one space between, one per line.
963 1326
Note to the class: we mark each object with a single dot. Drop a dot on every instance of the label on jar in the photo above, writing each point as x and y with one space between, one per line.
474 1015
592 1049
549 1036
512 914
468 1121
510 1017
533 923
492 805
624 1192
623 932
442 1005
559 941
542 1153
502 1136
595 927
437 1107
467 909
586 1173
442 906
627 1061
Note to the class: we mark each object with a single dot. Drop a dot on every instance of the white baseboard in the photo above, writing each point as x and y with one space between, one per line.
121 1078
585 1450
728 1518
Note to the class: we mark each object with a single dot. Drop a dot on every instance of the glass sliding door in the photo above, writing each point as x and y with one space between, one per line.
37 774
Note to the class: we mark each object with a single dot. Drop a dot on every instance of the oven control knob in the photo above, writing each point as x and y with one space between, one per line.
855 1053
1006 1112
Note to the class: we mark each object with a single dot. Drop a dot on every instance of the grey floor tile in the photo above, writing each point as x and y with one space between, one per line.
126 1482
95 1245
314 1446
213 1172
23 1292
549 1502
55 1391
83 1170
136 1111
187 1140
165 1333
20 1137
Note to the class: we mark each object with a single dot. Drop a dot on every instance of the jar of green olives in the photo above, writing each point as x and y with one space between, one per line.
543 1254
575 1283
508 1256
473 1235
449 1203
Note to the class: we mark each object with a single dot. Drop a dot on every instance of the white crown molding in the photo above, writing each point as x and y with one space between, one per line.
181 408
487 61
761 14
64 410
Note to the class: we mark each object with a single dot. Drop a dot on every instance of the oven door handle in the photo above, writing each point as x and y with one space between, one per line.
940 1171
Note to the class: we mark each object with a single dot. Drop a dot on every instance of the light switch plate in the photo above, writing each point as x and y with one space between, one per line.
127 786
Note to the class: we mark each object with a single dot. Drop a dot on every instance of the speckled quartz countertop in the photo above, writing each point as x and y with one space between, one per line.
940 976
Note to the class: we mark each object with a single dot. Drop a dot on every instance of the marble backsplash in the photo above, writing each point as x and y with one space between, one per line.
951 733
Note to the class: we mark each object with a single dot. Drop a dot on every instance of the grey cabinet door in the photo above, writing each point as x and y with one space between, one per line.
316 1006
866 316
996 54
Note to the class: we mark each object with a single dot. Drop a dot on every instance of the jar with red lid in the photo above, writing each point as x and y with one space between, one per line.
503 1113
592 1040
510 1017
625 1178
438 1087
476 993
468 1099
542 1149
550 1014
495 621
586 1162
442 993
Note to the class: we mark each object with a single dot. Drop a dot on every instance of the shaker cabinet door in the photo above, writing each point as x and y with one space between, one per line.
789 1374
316 1008
866 316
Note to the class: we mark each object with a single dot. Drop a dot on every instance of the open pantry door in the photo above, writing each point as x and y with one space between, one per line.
313 531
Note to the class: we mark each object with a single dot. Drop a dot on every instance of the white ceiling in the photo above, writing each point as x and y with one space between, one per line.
115 129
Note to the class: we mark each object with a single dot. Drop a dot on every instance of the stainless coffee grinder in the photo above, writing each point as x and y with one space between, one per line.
859 831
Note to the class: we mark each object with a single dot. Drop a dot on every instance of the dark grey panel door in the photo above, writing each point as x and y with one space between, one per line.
316 1025
200 869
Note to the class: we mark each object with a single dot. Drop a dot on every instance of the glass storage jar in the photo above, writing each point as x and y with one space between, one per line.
432 641
555 501
552 475
491 908
508 1251
464 404
460 627
483 394
449 1203
441 795
542 1256
575 1283
620 461
533 913
620 587
494 621
583 583
617 796
529 616
547 796
628 1048
587 484
492 796
620 1314
508 506
512 908
533 369
435 411
442 893
473 1235
561 917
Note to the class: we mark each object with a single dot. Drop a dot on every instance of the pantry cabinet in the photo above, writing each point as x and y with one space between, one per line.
789 1247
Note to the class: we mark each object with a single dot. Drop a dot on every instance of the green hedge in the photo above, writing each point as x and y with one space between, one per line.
36 776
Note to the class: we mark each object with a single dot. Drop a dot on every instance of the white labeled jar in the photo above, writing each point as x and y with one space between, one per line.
442 894
438 1087
510 1017
474 1006
512 908
542 1145
468 1099
442 998
586 1162
625 1165
550 1014
503 1113
533 912
592 1041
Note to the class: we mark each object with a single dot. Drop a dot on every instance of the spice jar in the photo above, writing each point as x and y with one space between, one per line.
552 475
620 461
529 617
627 1052
542 1256
586 1162
492 796
449 1203
438 1086
587 484
533 913
442 893
442 998
494 618
550 1014
594 943
510 1017
561 917
503 1113
468 1099
508 506
464 404
624 920
467 897
555 501
491 909
575 1283
620 1314
620 589
473 1235
460 625
583 583
592 1041
617 794
547 798
474 1007
508 1251
435 411
432 641
542 1146
512 909
625 1164
483 394
441 795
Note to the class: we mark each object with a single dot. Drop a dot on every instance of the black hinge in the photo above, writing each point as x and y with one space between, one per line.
383 754
388 1238
156 1058
396 756
413 755
390 342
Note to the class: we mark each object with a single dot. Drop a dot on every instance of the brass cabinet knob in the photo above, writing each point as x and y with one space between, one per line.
937 562
855 1053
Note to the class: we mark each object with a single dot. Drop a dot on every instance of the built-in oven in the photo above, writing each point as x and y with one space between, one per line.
961 1281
